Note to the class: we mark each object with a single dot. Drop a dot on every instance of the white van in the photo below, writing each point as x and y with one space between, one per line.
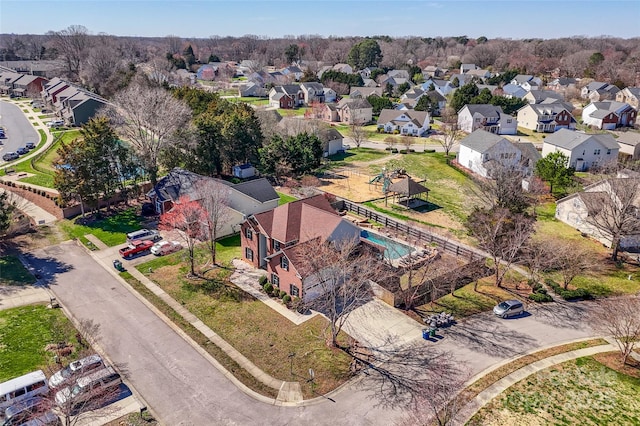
143 234
21 388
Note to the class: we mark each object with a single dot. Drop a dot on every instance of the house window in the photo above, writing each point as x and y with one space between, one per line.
294 290
477 120
248 233
248 253
284 263
608 152
276 245
275 280
596 152
509 121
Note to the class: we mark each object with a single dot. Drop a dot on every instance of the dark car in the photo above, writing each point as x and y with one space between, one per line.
9 156
30 145
22 150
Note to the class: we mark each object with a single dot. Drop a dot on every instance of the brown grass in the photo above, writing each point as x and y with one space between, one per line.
614 362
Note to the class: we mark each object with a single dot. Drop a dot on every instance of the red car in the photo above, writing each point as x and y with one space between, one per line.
135 247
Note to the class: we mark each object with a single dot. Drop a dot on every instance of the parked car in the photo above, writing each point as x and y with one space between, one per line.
10 156
144 234
88 387
76 369
509 308
34 410
165 247
55 123
30 145
135 247
3 135
22 150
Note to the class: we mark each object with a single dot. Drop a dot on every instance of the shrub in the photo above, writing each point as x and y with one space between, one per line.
540 298
282 294
267 287
286 298
430 151
412 150
262 280
579 293
394 150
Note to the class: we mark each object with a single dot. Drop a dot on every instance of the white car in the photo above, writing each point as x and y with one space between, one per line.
55 123
95 384
76 369
165 247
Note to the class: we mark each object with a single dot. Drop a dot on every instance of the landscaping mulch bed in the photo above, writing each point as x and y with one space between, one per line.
43 202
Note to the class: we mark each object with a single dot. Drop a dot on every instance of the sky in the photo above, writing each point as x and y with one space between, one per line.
395 18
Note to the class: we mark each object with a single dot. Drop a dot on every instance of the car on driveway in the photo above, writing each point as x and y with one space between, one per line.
165 247
75 370
55 123
135 247
96 384
509 308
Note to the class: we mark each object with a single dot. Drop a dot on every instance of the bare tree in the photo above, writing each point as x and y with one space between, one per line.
390 141
215 201
188 218
72 43
358 134
614 209
570 260
538 256
406 142
619 318
148 118
342 270
450 129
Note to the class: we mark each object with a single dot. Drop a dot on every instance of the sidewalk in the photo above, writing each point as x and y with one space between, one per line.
14 296
39 215
289 393
484 397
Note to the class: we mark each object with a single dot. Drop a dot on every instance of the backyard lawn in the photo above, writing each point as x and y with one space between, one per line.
357 155
110 230
13 272
285 198
582 391
24 333
250 326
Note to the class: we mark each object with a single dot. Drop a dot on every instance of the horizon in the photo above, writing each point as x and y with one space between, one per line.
507 19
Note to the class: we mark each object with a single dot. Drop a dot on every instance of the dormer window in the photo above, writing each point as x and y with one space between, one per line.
276 245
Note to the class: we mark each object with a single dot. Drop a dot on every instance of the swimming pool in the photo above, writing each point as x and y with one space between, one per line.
394 250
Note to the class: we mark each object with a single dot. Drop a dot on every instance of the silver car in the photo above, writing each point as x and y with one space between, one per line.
509 308
76 369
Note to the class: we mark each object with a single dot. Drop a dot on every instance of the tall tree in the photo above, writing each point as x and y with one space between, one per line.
619 318
72 43
148 118
188 218
292 53
365 54
554 169
215 202
6 209
302 153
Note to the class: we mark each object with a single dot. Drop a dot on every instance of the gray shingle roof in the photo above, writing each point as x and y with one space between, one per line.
486 110
481 140
387 115
569 139
258 189
629 138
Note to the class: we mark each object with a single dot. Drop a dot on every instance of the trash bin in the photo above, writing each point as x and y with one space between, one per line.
425 334
432 332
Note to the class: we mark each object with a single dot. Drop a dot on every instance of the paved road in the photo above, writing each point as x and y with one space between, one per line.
176 381
18 128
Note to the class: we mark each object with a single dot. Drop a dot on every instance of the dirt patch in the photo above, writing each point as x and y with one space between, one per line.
614 362
44 203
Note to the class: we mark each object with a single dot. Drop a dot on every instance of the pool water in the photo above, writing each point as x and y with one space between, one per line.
394 250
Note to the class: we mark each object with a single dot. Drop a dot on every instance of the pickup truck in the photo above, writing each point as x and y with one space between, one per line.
135 247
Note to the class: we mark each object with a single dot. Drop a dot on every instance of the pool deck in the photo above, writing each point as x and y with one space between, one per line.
417 254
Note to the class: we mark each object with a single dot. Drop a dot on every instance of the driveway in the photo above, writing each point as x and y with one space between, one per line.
18 128
178 384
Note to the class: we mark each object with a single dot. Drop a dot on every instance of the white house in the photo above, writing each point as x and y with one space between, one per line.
583 150
481 149
409 122
527 82
629 143
486 117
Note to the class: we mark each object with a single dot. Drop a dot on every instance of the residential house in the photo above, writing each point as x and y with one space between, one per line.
330 95
482 150
486 117
355 111
576 210
540 96
629 143
404 74
28 85
462 79
609 115
561 84
80 107
272 241
325 112
583 150
366 73
393 81
465 68
495 90
432 71
51 89
409 123
546 118
478 73
261 78
629 95
7 78
365 92
441 86
323 69
243 199
513 91
294 71
287 96
599 91
312 92
527 82
252 89
331 138
368 82
345 68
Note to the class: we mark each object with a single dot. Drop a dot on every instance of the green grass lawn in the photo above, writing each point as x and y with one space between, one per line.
24 333
357 155
292 112
13 272
284 198
110 230
578 392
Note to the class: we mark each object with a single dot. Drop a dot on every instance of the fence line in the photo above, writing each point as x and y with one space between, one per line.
422 236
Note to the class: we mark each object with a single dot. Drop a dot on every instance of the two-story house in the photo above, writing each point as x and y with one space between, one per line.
584 150
354 111
287 96
271 241
546 118
313 92
629 95
609 115
527 82
486 117
599 91
407 122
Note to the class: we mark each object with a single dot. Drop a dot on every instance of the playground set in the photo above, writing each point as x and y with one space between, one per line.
385 177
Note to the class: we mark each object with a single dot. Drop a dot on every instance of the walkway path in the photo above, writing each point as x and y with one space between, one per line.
14 296
503 384
288 392
38 214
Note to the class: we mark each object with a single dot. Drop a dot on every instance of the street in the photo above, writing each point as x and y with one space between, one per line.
17 127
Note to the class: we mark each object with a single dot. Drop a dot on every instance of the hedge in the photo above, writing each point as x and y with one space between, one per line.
579 293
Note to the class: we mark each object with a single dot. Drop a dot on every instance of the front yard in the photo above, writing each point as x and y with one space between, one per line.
110 230
13 272
250 326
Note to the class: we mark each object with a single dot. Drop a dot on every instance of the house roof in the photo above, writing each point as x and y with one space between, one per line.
540 95
408 186
258 189
481 140
611 106
569 139
529 151
596 85
365 91
435 95
389 115
486 110
312 85
629 138
355 103
293 126
546 109
300 220
635 91
522 78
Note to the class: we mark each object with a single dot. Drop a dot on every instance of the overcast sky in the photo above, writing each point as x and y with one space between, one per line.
203 18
